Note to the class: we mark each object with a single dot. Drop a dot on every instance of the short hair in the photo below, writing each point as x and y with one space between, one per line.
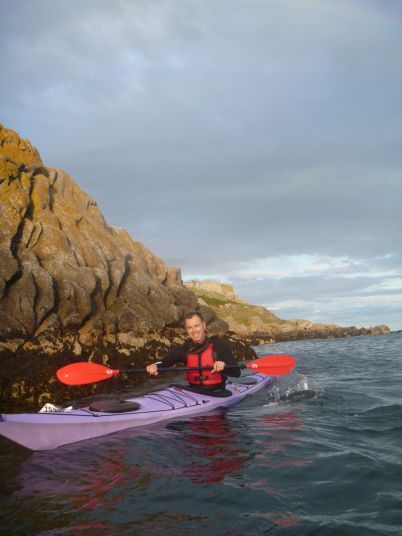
193 313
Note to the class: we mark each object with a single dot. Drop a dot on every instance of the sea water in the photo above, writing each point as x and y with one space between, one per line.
319 453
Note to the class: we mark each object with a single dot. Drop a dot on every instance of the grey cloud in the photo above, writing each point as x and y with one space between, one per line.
329 299
218 131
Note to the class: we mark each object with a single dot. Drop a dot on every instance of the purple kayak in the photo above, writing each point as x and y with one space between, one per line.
47 430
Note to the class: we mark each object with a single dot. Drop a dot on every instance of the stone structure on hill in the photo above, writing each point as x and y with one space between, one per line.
209 285
259 324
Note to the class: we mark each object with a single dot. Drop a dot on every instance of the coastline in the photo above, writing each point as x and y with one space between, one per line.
33 383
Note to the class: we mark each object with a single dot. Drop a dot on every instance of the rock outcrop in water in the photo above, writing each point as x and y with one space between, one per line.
72 286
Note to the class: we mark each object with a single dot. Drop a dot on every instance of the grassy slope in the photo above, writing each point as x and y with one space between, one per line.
238 313
256 321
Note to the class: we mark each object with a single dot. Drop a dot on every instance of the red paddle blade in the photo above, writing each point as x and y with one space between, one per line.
273 365
83 373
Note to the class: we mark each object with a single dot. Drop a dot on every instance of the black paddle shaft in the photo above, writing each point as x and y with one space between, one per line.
174 369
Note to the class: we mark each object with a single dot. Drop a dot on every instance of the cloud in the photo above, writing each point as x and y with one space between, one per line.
341 290
223 133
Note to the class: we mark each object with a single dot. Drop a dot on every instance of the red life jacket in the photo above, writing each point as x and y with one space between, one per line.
203 359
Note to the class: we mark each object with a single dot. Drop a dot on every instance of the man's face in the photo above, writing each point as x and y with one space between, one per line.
195 328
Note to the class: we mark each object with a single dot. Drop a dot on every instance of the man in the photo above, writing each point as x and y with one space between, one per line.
199 351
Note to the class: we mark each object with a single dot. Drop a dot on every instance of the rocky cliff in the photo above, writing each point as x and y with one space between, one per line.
72 286
259 325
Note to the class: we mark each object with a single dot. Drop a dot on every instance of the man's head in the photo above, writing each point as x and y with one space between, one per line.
195 326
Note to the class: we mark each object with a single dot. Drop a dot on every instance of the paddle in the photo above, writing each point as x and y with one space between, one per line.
84 372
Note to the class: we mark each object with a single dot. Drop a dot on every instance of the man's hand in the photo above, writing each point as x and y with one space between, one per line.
218 366
152 369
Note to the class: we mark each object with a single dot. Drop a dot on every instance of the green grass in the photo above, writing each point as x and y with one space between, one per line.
240 312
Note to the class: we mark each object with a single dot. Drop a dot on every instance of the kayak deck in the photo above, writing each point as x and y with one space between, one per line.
51 429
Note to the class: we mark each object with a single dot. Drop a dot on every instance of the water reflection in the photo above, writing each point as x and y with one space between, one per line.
307 465
162 478
212 447
275 462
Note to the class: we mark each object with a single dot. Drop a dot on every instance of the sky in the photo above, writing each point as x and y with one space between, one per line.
255 142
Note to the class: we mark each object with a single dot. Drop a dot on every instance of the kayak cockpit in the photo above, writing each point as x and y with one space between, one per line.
218 393
114 406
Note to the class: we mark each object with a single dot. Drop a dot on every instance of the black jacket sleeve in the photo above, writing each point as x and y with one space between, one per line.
176 355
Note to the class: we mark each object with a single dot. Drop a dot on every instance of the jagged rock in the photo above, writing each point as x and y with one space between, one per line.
72 286
188 302
59 257
173 276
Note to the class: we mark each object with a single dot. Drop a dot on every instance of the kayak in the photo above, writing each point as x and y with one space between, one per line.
54 426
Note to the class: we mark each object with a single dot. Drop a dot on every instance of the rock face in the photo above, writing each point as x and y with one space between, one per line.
71 285
260 326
